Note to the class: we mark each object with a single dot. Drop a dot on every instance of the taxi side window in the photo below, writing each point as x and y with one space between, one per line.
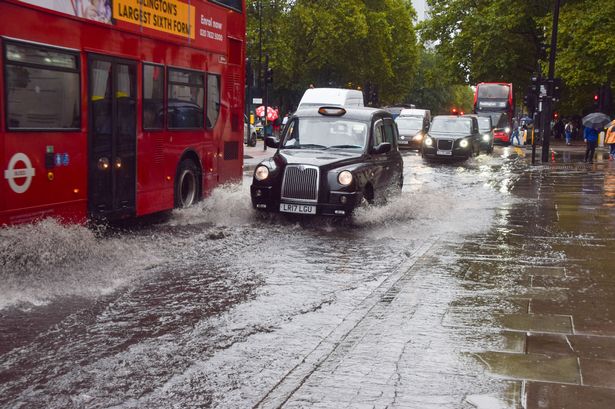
389 132
378 133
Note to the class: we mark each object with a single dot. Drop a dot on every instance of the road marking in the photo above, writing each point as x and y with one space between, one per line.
11 173
296 377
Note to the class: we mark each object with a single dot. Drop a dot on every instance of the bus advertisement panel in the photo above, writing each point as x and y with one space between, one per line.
117 108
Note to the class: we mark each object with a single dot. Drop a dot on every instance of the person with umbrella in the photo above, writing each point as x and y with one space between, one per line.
593 123
610 139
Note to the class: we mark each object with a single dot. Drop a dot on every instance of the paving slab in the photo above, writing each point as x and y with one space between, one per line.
535 367
540 395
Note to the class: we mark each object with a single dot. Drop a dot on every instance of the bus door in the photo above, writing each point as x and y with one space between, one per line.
111 137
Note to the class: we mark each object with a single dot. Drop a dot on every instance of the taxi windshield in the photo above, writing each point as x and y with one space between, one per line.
324 133
451 125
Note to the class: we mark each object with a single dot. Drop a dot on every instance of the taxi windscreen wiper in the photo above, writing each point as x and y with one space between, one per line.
345 146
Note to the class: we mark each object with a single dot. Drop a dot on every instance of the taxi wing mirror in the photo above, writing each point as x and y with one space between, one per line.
272 142
384 147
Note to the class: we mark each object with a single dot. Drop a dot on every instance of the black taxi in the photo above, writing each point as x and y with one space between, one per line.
328 161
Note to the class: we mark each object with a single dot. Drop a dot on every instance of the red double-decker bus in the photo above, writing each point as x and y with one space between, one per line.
495 99
118 108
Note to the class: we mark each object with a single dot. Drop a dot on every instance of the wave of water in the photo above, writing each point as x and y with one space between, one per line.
45 260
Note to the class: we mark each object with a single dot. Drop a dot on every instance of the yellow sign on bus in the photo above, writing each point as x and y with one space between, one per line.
169 16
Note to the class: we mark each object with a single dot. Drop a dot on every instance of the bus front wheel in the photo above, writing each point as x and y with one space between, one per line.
186 184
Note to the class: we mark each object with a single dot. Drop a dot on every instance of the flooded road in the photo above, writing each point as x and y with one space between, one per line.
221 306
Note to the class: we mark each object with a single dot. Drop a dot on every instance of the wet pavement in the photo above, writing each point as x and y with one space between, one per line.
489 284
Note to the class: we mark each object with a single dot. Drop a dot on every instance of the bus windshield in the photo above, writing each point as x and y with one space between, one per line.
493 91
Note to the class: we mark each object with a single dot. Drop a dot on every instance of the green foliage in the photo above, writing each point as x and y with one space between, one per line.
436 89
354 43
499 40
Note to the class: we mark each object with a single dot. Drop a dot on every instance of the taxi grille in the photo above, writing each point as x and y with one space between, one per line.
300 183
445 144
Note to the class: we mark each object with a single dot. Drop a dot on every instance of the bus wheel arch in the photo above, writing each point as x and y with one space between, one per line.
188 181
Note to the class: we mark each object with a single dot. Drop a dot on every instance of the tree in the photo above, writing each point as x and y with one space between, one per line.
584 55
330 43
487 40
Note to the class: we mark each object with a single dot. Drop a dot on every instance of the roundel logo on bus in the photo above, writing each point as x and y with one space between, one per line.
14 173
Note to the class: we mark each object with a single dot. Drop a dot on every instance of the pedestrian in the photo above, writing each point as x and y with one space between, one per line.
591 138
568 131
558 129
515 135
610 139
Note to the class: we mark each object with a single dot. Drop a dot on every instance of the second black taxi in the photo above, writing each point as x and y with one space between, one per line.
452 137
330 160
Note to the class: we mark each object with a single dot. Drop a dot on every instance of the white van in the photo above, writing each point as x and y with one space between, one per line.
317 97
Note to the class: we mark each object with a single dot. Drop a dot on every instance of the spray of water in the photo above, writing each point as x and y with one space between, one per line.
227 205
41 261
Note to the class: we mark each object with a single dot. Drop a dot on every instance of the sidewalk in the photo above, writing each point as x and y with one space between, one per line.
253 155
548 278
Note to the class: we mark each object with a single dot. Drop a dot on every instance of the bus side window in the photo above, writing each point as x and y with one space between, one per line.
153 96
185 103
213 100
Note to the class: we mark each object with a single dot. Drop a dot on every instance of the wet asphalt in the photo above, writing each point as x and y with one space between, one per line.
489 284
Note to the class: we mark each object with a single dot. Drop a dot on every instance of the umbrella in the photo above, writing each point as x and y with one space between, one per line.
272 114
596 121
526 120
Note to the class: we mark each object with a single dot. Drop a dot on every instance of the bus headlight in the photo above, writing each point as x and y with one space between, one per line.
428 141
261 172
464 143
345 178
486 137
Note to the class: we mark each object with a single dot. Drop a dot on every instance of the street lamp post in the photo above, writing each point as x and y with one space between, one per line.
548 101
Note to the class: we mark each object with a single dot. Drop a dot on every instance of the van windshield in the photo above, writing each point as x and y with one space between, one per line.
484 124
409 123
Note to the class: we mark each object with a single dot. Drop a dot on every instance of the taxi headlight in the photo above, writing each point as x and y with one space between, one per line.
345 178
261 172
486 137
428 141
464 143
507 130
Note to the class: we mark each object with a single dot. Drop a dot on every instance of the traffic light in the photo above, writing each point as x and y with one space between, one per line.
556 89
555 116
534 85
249 73
530 99
269 76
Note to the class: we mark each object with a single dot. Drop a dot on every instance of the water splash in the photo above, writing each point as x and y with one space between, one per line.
45 260
227 205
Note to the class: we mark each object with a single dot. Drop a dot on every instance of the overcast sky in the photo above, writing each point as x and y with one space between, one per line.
419 6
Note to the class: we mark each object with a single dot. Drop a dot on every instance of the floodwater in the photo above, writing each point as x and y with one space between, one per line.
221 306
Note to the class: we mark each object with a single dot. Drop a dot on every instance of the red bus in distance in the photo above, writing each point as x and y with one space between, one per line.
118 108
495 99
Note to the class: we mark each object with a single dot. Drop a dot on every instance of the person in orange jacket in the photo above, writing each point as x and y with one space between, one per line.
610 139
